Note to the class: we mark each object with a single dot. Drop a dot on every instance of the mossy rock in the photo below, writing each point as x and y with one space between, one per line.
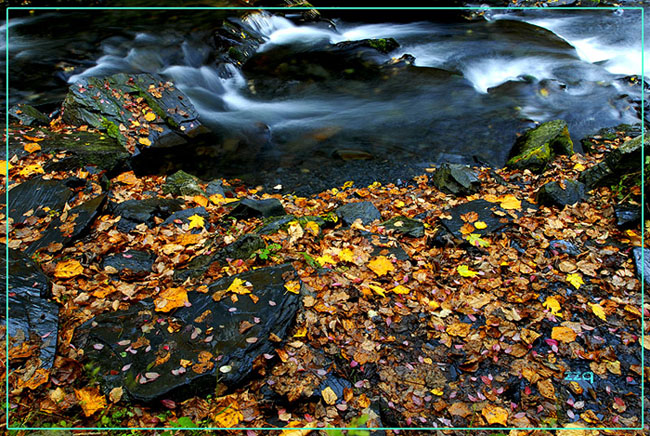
538 147
28 115
626 159
182 183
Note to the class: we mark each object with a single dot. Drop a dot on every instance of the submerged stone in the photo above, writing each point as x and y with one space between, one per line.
191 349
364 210
552 193
31 314
456 179
536 148
76 224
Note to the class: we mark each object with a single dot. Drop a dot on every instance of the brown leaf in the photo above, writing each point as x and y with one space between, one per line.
90 400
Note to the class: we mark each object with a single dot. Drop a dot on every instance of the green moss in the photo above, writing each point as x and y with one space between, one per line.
111 129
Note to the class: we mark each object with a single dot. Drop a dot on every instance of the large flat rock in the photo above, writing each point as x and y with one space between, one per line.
185 352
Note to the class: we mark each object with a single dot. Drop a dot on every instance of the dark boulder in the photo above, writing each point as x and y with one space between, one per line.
100 103
627 215
28 115
242 248
455 179
536 148
69 227
183 216
405 226
134 212
250 208
211 342
553 194
642 265
215 187
131 262
37 194
31 314
276 223
626 159
182 183
565 247
364 210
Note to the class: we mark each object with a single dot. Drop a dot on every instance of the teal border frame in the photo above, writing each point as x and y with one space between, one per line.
7 415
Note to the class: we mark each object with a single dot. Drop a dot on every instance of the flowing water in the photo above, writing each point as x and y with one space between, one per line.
469 89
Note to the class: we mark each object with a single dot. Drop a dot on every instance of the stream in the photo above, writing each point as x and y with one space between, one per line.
452 91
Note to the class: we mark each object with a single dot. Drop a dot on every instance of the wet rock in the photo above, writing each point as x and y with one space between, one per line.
627 215
491 214
28 115
536 148
274 224
642 265
134 212
35 195
183 216
96 102
624 160
565 247
405 226
236 42
182 183
335 383
552 193
69 227
456 179
249 208
364 210
131 262
242 248
215 187
211 341
31 313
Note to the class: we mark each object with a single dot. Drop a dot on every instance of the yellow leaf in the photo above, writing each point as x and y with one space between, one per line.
90 400
579 167
459 329
476 240
31 147
553 305
116 394
237 286
329 396
575 279
381 265
399 204
33 138
437 392
325 259
229 417
480 225
464 271
379 290
196 221
3 167
598 310
495 414
220 199
543 92
401 290
293 286
149 116
170 298
39 377
510 202
346 255
563 334
312 227
127 178
200 200
68 269
348 184
301 333
546 388
32 169
144 141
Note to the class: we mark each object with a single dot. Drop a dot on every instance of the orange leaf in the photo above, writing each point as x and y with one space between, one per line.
31 147
510 202
459 329
381 265
90 399
32 169
127 178
563 334
200 200
68 269
40 377
170 298
495 414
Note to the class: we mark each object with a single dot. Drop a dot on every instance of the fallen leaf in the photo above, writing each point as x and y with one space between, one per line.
39 377
459 329
170 299
510 202
68 269
329 396
459 409
546 388
464 271
127 178
237 287
31 147
116 394
598 310
346 255
144 141
32 169
90 400
293 286
3 167
495 414
480 225
325 259
196 221
563 334
575 280
401 290
200 200
381 265
553 305
149 116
